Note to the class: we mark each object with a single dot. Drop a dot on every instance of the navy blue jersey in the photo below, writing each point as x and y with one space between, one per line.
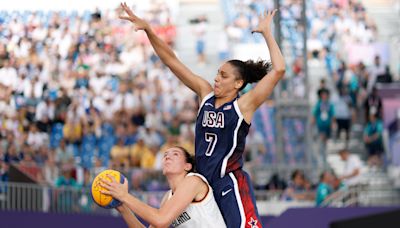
220 138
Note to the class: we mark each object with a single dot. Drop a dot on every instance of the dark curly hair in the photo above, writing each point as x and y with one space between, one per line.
251 71
188 158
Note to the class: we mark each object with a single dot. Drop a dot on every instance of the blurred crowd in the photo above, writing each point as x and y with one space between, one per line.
84 90
299 186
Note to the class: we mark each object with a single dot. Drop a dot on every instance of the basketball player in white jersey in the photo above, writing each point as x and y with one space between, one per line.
189 203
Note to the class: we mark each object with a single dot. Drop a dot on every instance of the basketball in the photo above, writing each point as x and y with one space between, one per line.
103 200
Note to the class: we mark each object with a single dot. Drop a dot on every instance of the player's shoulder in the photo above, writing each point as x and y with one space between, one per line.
196 178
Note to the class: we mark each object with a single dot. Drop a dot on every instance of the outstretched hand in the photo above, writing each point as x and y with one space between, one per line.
114 188
138 23
264 21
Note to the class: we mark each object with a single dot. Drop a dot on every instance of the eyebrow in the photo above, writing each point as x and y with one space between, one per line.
221 71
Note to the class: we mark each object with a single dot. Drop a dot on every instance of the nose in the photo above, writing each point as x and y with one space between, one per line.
167 156
216 79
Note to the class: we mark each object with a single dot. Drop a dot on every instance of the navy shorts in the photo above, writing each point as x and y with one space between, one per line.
235 197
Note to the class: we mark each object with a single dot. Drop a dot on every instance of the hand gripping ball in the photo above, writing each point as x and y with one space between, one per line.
103 200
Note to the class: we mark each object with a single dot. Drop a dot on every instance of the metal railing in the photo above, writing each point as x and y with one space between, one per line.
64 200
363 195
67 200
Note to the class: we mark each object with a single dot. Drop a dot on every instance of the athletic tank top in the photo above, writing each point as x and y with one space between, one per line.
220 138
201 214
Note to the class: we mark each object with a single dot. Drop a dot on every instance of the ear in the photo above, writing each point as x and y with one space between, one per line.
239 83
188 167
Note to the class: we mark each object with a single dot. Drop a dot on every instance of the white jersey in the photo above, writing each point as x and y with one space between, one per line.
200 214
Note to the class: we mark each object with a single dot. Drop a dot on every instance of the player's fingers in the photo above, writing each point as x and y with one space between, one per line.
273 12
125 18
105 192
112 178
104 184
127 10
104 181
124 7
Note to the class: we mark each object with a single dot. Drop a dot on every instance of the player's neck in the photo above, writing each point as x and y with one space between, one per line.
219 101
174 180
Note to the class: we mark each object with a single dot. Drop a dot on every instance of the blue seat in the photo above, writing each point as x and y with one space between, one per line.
56 135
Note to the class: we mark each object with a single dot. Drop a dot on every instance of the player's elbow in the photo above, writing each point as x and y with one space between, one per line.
280 71
161 223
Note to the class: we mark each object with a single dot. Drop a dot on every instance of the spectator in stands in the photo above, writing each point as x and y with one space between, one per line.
376 69
72 130
276 183
337 183
120 155
64 154
149 157
373 104
373 140
36 139
322 87
27 160
41 155
200 34
137 151
65 200
343 114
385 77
394 139
323 116
354 81
171 140
352 168
12 155
324 188
297 188
51 170
66 179
4 171
341 75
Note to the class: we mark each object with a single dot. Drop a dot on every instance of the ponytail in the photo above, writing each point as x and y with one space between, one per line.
251 71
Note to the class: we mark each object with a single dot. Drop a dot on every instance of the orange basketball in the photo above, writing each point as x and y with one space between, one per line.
103 200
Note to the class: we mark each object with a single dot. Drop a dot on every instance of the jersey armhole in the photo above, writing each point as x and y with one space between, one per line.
208 96
238 112
209 190
205 196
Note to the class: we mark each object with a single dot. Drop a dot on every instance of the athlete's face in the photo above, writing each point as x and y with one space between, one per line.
226 81
174 162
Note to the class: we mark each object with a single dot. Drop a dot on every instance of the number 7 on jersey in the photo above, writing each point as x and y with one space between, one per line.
211 138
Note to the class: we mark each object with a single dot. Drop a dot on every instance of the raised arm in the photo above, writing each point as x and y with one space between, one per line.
170 209
249 102
199 85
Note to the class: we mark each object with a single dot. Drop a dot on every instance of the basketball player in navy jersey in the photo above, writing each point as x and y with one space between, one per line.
224 118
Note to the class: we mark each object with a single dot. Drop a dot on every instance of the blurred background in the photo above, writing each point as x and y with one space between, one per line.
81 92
